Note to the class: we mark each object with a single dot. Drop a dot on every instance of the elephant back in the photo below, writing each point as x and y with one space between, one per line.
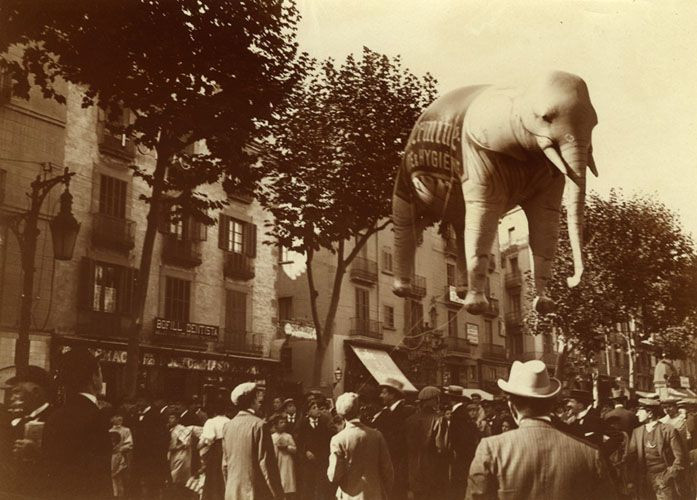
433 157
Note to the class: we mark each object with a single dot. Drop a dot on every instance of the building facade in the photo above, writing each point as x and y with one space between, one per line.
428 336
210 311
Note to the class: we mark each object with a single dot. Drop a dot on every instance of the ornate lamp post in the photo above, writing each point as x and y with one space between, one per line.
64 229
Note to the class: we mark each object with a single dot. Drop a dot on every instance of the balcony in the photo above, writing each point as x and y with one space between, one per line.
456 345
514 280
116 145
113 233
238 266
493 309
451 298
182 253
242 342
364 327
493 351
417 288
364 270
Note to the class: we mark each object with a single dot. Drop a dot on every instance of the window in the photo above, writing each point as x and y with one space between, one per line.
104 295
284 256
237 236
177 299
513 262
387 260
389 317
236 312
285 308
112 197
450 274
362 304
488 331
452 324
515 302
413 317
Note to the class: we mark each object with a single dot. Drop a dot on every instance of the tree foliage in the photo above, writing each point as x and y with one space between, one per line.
639 264
187 70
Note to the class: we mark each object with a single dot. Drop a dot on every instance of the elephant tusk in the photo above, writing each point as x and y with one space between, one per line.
591 163
551 153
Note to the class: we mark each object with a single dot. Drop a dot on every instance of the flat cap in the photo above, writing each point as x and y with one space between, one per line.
428 392
242 390
346 404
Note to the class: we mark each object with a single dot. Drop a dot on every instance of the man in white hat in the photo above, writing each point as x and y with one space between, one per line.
359 461
249 459
536 461
391 421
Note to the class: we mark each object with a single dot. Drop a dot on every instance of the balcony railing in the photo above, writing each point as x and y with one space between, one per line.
113 232
238 266
493 351
366 328
116 145
364 270
514 319
456 344
242 342
493 309
418 286
182 253
514 280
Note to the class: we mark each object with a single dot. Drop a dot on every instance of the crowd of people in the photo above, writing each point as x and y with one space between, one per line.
534 441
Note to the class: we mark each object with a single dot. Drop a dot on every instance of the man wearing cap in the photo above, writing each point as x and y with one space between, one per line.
391 421
249 459
359 460
31 393
428 464
674 417
655 457
537 460
464 437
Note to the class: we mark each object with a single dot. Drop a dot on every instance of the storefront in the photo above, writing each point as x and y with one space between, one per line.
173 373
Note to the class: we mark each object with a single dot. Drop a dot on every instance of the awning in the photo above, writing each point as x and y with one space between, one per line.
381 366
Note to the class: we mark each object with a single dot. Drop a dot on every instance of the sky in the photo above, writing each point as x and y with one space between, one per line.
637 57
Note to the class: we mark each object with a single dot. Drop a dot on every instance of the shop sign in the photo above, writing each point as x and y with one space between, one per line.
176 328
452 295
685 382
299 330
473 333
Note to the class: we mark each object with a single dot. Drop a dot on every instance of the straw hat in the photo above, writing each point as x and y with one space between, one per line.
530 380
394 384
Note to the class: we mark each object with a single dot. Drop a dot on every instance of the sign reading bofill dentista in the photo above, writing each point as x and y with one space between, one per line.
180 329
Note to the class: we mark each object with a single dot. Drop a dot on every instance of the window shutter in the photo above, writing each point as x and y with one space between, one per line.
236 313
86 285
250 240
202 233
223 231
127 288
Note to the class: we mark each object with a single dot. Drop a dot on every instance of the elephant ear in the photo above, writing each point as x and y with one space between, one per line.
488 123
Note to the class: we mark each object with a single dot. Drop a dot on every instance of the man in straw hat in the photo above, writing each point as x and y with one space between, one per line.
391 421
359 461
249 459
655 457
536 460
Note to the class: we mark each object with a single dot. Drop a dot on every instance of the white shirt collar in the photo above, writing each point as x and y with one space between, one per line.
38 410
457 405
583 413
650 425
91 397
395 404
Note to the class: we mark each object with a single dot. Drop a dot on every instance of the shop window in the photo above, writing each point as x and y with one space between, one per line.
112 197
237 236
177 299
389 317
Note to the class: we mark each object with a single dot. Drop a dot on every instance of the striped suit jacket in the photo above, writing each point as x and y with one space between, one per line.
538 461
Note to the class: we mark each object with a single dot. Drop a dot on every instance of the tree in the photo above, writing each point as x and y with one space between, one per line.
336 148
639 269
186 70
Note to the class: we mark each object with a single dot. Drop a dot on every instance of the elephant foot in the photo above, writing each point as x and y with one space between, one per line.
401 288
544 305
476 302
461 291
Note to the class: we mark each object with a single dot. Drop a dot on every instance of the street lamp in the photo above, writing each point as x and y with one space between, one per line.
64 229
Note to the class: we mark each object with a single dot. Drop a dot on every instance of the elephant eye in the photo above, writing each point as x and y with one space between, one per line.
548 117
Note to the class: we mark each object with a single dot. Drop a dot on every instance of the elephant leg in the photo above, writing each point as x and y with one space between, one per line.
460 260
543 213
406 232
481 224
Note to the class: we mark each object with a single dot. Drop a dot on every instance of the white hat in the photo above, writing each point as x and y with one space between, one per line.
394 384
242 390
346 403
530 380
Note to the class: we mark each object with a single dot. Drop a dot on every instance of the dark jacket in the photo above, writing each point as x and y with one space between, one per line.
392 425
150 444
315 441
77 448
590 427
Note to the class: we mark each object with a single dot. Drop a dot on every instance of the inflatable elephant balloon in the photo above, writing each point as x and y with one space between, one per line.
477 152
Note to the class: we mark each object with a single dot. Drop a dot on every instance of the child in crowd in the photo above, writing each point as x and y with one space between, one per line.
285 453
118 464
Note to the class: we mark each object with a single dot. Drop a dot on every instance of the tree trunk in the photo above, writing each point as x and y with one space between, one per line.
631 351
141 289
561 362
320 353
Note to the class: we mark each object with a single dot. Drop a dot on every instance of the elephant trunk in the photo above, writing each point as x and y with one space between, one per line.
576 157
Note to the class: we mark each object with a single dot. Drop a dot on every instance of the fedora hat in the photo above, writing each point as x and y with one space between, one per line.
530 380
394 384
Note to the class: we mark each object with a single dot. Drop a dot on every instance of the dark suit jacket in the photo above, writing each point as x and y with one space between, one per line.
393 426
150 445
464 435
622 419
590 427
538 461
77 448
314 440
